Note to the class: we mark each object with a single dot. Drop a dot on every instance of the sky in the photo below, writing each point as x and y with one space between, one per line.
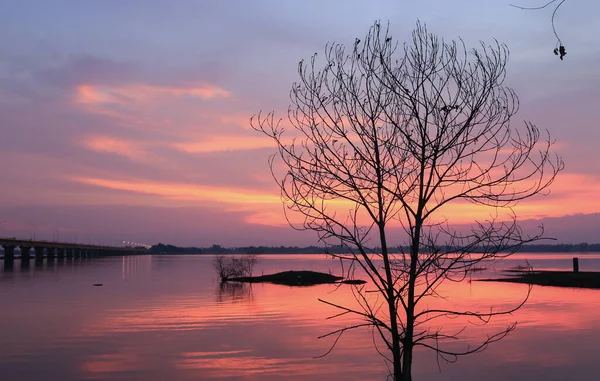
129 120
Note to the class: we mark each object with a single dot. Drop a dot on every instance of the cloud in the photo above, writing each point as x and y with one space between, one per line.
130 149
90 94
226 143
269 218
262 207
114 222
237 197
168 110
85 68
142 93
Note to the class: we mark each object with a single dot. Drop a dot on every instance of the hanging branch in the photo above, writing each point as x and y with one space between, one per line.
559 50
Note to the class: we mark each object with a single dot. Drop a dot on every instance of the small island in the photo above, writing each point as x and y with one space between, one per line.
583 279
296 278
239 269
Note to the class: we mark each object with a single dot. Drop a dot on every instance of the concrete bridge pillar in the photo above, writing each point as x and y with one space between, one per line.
50 256
9 252
25 253
39 253
70 251
9 256
60 252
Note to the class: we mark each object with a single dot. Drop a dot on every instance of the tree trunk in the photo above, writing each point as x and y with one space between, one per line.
391 301
410 310
407 360
397 361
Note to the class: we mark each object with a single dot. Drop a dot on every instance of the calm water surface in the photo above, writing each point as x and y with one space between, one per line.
167 318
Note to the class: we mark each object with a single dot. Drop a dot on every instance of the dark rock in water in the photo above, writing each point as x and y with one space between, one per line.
97 284
296 278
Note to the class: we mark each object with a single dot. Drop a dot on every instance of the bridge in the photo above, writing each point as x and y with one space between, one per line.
53 249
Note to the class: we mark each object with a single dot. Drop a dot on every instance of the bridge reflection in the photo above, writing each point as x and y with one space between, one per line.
50 250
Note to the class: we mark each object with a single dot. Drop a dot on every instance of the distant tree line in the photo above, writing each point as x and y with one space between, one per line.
218 249
561 248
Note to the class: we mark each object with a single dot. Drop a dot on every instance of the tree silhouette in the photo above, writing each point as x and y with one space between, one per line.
390 135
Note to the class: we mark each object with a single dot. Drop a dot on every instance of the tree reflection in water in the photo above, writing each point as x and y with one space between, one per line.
234 292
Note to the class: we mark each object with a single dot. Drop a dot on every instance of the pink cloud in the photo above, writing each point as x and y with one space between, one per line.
130 149
142 93
243 199
226 143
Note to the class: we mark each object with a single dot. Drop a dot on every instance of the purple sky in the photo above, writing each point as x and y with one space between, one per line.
128 120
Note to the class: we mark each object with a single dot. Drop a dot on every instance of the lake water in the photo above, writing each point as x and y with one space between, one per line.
166 318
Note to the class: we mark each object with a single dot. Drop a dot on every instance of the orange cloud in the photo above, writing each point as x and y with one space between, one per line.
572 193
270 218
226 143
239 121
90 94
188 192
265 208
96 94
128 149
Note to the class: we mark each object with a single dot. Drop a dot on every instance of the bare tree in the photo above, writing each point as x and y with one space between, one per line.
390 135
230 266
559 49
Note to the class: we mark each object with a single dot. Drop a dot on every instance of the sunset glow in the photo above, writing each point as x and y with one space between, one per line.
319 190
179 191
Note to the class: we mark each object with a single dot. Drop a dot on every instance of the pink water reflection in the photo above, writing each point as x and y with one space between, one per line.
167 318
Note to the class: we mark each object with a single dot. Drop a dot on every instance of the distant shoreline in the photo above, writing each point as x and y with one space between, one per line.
575 249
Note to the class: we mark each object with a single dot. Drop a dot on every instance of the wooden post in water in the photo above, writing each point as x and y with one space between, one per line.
575 265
